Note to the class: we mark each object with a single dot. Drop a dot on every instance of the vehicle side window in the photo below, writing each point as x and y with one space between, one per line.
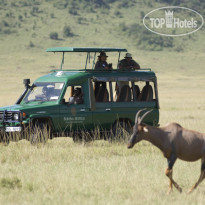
143 91
128 91
124 91
74 95
101 91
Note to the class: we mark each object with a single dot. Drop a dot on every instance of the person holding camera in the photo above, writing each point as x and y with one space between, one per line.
101 64
128 63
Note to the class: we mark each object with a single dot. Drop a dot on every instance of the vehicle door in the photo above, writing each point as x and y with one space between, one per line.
103 115
75 114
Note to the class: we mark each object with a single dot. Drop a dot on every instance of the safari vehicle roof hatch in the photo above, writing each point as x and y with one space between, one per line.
75 49
87 50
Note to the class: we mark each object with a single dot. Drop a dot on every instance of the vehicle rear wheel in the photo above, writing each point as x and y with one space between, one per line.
121 130
82 136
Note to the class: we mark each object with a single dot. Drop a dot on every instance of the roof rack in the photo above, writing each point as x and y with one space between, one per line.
88 50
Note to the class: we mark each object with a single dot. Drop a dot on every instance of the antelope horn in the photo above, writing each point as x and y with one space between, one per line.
138 113
143 116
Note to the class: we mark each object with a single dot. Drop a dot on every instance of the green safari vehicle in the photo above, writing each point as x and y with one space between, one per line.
67 101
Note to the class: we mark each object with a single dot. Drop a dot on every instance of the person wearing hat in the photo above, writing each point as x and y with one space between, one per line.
128 63
102 62
101 65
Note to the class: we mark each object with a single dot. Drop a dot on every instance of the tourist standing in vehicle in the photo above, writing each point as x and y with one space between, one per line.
128 63
101 64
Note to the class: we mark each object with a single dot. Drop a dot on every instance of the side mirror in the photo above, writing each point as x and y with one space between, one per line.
26 82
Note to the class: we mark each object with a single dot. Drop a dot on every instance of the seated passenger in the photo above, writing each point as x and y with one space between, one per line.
128 63
48 91
77 97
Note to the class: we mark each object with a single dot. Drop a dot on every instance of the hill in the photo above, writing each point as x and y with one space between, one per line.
28 27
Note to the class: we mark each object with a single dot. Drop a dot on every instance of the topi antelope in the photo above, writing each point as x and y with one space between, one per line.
175 142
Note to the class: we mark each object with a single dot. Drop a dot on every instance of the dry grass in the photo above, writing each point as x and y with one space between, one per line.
95 173
99 172
62 172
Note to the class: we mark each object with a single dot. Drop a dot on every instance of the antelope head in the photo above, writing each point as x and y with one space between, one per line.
138 129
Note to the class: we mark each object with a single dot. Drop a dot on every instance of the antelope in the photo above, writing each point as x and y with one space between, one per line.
175 142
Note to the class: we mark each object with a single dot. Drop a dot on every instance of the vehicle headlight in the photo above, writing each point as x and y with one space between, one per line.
16 117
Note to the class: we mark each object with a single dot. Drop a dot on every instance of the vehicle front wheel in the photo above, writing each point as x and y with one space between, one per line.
40 132
4 138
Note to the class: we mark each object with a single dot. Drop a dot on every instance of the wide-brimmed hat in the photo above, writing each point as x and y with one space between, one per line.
102 54
128 55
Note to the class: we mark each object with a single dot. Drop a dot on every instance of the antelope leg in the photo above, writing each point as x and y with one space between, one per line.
171 160
170 183
169 175
202 176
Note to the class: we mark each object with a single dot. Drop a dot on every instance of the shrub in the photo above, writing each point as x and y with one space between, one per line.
5 23
118 14
7 31
10 183
73 12
31 45
54 35
52 15
67 31
20 18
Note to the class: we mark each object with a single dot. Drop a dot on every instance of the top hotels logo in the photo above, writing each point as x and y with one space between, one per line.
173 21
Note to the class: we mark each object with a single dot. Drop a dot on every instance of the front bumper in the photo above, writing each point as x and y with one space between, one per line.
11 121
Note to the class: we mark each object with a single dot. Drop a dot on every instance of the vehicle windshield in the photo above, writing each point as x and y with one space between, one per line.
44 91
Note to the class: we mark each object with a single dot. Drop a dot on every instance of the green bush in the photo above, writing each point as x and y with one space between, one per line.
73 11
31 45
20 17
52 15
118 14
54 35
67 31
11 183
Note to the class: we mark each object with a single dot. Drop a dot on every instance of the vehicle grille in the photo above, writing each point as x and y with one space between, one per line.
6 116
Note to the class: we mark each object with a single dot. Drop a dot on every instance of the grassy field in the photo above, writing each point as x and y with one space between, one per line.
62 172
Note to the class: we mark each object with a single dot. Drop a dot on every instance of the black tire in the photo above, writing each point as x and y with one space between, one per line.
40 132
121 130
77 137
82 136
